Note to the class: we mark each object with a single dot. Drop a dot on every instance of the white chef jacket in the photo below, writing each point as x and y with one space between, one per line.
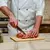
25 11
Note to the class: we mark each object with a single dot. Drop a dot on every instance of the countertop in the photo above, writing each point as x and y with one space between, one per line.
9 44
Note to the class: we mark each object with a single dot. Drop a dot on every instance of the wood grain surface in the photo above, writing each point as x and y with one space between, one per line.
23 40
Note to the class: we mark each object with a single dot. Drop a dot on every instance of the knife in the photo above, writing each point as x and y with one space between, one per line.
20 29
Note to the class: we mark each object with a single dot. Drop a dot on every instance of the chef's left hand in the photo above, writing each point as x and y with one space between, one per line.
33 33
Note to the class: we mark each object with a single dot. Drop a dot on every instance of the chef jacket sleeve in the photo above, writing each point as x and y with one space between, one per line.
40 4
3 2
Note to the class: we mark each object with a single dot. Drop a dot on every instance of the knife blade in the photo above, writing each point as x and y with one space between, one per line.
20 29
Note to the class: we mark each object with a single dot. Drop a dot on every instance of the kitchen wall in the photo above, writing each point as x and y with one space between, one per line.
46 18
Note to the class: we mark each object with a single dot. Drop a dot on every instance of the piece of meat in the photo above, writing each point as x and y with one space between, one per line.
20 35
25 36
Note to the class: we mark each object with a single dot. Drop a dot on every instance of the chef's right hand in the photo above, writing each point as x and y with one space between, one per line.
13 22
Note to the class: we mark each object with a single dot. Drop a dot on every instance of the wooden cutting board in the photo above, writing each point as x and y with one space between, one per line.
29 39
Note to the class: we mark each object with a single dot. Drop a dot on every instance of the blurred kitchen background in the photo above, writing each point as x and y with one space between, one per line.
44 28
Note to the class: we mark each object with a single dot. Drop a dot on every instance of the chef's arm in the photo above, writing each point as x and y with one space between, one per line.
10 15
38 22
5 10
40 5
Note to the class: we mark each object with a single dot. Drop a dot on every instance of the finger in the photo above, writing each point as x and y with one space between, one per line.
13 24
16 23
28 35
36 35
33 35
34 32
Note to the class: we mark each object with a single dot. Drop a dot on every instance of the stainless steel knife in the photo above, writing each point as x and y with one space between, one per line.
20 29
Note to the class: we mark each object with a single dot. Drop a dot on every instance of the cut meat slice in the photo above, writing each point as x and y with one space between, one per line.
20 35
25 36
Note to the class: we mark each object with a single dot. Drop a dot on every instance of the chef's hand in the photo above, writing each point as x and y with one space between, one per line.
35 32
13 22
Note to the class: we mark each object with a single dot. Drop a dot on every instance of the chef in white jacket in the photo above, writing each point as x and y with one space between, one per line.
27 14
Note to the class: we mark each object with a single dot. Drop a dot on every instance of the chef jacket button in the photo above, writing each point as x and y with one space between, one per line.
25 29
19 20
19 8
26 9
26 20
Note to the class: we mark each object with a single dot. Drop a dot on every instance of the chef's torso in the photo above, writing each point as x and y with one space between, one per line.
24 12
